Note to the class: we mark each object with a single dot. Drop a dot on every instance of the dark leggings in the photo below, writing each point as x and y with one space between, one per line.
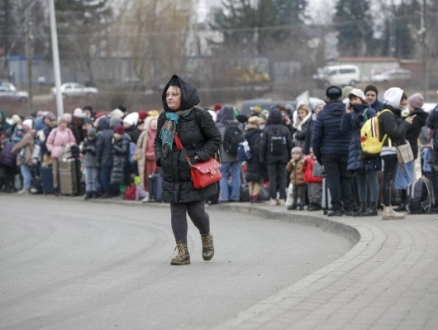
389 171
196 211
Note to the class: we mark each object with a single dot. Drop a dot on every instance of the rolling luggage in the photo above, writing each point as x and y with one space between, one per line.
46 175
326 198
69 176
155 187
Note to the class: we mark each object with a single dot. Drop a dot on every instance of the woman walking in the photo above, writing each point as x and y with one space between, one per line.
201 140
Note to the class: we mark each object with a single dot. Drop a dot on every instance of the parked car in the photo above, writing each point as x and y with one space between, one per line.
75 89
338 75
9 92
394 75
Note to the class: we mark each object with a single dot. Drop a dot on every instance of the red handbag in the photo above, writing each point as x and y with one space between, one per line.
203 174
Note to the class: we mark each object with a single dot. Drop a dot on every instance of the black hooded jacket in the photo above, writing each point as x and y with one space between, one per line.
392 124
202 140
274 127
104 144
414 129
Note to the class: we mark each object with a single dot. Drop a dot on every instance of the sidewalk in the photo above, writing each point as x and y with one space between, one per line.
389 280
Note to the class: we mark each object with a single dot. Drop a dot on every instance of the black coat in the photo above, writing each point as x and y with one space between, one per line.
414 130
394 125
309 134
203 141
255 171
133 133
104 145
120 170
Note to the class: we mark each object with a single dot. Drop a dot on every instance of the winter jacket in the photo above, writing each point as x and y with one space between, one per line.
299 136
89 151
309 163
353 122
432 119
27 144
296 169
8 158
43 137
309 134
5 125
133 133
140 150
327 136
414 130
275 127
377 106
120 170
392 123
104 145
203 140
255 171
227 119
58 138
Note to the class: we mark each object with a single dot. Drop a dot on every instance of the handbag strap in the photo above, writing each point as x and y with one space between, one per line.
179 145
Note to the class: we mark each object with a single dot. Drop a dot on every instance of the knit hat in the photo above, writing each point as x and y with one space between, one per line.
119 130
257 109
416 100
297 150
91 132
122 108
242 119
50 115
78 113
333 92
65 118
28 123
346 90
153 113
254 121
15 119
371 88
393 96
114 122
131 119
217 106
317 103
357 92
88 107
116 113
142 114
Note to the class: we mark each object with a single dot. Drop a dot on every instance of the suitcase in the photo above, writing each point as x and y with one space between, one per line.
46 175
155 187
326 198
69 176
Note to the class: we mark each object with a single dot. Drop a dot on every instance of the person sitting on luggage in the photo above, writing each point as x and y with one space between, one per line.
58 138
313 181
120 170
23 149
90 164
296 168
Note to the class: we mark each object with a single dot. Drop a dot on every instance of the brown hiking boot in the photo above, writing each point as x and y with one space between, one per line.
183 257
207 246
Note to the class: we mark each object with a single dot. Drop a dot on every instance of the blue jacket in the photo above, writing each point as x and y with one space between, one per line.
327 136
353 122
377 106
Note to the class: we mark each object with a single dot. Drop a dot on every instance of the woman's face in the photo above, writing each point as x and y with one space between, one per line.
319 108
87 113
173 98
302 114
154 125
403 104
63 124
355 100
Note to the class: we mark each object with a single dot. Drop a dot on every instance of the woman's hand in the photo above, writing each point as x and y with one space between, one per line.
410 119
348 108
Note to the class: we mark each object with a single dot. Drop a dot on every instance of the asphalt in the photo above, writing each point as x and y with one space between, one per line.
388 280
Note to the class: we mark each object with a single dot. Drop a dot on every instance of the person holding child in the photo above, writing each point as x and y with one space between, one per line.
296 169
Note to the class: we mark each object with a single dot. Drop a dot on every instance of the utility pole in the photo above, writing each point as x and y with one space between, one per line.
29 55
422 34
55 52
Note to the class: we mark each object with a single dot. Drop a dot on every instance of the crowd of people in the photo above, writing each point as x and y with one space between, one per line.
298 157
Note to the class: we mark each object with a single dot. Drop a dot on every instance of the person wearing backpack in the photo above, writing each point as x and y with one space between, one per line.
232 136
405 174
365 167
331 148
256 172
275 152
394 127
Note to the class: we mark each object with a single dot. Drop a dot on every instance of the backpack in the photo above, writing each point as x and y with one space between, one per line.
370 139
132 147
244 153
233 136
277 143
421 196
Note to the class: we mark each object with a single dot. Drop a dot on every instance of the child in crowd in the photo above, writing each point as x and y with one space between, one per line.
120 170
314 182
296 169
90 164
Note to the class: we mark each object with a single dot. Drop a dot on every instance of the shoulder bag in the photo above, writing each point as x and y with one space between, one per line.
404 153
203 174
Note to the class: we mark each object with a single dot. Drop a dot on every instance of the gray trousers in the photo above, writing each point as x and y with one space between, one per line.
196 211
314 192
91 179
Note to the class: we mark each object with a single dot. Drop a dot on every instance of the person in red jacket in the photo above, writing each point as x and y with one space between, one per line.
314 183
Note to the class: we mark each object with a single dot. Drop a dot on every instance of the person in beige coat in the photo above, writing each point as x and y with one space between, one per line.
24 150
140 155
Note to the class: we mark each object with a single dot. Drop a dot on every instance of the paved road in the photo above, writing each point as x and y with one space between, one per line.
68 264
